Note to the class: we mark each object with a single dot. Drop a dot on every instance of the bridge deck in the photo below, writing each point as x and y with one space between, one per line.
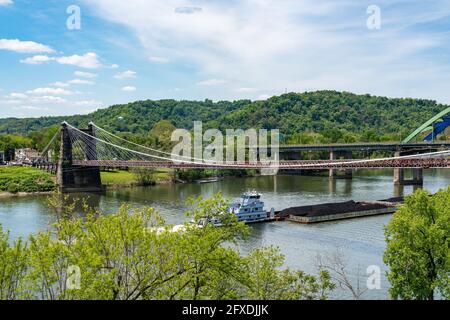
292 164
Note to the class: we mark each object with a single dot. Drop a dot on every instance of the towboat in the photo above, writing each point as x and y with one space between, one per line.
249 209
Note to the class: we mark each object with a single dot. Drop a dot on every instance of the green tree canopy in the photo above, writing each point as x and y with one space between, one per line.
418 247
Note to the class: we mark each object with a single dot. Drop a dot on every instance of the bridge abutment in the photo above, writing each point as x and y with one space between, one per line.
72 178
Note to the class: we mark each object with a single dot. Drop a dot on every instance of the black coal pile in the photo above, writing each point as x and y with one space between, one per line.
330 208
394 200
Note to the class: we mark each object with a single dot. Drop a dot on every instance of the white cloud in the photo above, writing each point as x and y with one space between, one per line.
129 88
247 90
47 99
89 60
297 44
17 45
188 10
160 60
88 103
51 91
114 66
212 82
39 59
81 81
125 75
17 95
5 2
87 75
32 108
60 84
11 102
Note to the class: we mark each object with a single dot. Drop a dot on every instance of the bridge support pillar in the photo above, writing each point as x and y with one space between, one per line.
334 173
72 178
399 174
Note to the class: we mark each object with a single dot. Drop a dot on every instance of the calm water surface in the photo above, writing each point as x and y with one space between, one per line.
361 241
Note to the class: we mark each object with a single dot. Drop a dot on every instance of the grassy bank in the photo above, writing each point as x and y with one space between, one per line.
25 179
128 178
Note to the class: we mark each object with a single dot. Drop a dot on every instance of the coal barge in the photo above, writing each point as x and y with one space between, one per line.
338 211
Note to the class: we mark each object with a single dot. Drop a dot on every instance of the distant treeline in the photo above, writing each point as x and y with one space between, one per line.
311 117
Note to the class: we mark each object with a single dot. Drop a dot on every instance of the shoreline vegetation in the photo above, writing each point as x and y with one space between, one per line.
22 181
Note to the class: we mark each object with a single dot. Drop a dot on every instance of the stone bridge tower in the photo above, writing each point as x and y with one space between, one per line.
72 178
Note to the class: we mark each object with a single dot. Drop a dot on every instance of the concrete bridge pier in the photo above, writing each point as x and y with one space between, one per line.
347 173
72 178
399 174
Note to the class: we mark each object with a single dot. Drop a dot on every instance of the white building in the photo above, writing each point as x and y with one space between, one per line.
26 155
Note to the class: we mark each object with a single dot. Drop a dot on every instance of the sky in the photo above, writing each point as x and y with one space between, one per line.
62 57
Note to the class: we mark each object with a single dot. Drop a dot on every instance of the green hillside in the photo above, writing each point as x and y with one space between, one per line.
301 117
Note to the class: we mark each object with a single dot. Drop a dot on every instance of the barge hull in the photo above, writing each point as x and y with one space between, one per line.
340 216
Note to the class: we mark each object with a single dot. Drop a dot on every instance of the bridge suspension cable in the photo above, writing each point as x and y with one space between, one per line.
141 146
44 154
103 148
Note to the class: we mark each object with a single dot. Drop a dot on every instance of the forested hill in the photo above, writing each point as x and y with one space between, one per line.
331 115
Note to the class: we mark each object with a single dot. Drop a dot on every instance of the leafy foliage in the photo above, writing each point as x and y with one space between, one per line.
322 116
418 247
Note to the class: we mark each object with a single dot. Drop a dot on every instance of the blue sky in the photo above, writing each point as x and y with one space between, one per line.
221 50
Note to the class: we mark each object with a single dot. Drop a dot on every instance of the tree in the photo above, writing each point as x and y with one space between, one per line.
13 264
418 247
337 266
144 176
161 134
267 281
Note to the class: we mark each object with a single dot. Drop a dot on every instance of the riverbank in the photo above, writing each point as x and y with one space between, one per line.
25 180
24 194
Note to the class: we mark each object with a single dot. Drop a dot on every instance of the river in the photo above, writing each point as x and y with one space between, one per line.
360 241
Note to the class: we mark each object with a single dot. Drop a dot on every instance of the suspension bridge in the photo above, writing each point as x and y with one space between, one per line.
82 152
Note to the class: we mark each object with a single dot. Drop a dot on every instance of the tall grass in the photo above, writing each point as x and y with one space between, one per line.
25 179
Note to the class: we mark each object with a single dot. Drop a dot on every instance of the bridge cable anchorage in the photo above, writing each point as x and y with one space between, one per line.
100 149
